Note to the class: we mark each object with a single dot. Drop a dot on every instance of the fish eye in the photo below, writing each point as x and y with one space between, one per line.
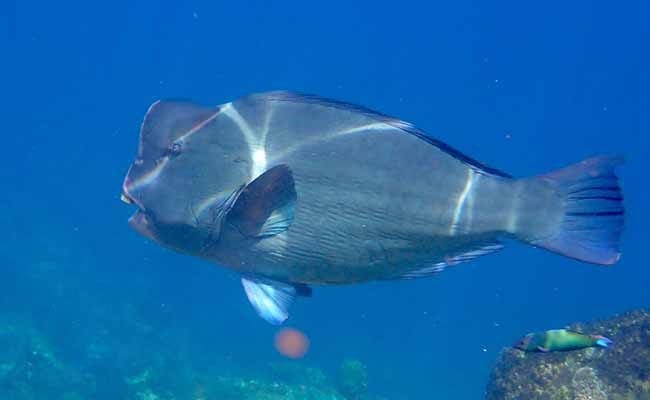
175 148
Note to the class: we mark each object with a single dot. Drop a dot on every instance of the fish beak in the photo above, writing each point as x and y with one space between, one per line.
125 198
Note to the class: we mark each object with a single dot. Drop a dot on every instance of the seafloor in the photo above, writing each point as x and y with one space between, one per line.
70 330
67 333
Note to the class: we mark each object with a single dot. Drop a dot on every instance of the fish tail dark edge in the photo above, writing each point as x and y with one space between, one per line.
593 219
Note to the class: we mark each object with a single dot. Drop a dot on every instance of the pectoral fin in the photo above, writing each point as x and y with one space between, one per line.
543 349
271 299
266 206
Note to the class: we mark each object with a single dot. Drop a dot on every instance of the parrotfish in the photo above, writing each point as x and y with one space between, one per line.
292 190
560 340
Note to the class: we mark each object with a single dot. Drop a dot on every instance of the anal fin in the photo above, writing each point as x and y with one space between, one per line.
435 267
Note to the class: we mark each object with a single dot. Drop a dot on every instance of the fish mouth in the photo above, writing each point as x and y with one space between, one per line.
140 222
125 198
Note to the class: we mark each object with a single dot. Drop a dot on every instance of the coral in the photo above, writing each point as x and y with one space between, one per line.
30 369
353 379
621 372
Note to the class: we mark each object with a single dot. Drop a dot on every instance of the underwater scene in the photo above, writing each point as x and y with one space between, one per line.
343 200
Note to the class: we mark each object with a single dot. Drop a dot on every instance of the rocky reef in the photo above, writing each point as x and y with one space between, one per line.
32 368
224 386
70 330
621 372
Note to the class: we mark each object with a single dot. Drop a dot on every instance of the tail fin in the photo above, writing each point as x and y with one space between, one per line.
602 341
592 224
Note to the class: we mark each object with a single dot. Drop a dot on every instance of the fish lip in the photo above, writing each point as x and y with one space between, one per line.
125 198
140 223
138 220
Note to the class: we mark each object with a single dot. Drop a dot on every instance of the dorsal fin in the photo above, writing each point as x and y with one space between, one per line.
394 122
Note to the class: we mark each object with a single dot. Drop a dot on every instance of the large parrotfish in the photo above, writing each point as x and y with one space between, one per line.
292 190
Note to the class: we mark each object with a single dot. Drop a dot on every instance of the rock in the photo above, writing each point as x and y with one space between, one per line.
620 372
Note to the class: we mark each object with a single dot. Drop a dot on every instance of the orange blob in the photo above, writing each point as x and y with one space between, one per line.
291 342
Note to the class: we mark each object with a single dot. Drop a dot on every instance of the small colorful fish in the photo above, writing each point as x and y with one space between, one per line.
560 340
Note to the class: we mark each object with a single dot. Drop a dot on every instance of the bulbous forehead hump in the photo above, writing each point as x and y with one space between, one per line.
167 121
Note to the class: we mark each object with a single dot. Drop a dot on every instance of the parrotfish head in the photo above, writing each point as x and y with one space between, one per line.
188 157
524 343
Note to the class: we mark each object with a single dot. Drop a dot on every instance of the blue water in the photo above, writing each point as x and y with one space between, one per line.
524 88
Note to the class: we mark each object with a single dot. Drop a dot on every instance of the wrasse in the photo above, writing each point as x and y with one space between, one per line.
560 340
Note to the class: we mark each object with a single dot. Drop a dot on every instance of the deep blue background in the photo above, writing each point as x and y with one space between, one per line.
525 88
